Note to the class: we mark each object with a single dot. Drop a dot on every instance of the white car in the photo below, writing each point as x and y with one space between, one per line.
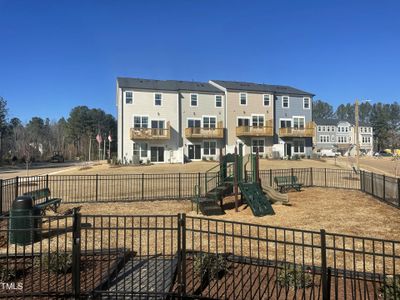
329 153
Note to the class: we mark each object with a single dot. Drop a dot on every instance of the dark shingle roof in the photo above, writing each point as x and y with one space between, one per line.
333 122
167 85
260 87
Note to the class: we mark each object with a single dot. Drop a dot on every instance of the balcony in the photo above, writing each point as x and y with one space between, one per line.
254 131
307 131
151 133
204 133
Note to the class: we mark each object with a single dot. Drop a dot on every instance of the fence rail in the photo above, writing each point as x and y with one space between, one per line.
144 187
180 256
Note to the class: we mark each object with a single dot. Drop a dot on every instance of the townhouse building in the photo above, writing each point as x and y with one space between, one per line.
177 121
341 136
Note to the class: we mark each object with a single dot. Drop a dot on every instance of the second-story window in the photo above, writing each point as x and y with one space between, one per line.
128 97
157 99
285 101
209 122
193 100
243 98
266 100
218 101
306 103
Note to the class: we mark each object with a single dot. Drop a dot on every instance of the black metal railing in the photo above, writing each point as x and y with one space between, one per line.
111 256
144 187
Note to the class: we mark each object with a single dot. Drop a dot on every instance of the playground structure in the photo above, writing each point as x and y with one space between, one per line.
230 176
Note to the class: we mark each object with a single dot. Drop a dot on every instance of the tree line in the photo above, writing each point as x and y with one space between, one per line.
40 138
384 118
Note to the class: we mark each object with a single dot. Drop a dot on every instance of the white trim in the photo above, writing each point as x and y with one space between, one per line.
309 102
269 100
222 101
257 139
194 144
299 117
240 102
197 101
190 118
257 115
141 116
298 140
158 119
154 99
288 102
208 116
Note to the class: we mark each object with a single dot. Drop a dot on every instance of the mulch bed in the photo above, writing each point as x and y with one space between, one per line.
96 270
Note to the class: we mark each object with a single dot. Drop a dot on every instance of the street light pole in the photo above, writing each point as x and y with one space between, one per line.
357 136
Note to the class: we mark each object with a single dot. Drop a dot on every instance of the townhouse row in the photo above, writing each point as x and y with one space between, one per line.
333 134
177 121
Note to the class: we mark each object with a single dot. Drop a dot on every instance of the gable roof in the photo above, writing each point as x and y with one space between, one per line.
260 87
167 85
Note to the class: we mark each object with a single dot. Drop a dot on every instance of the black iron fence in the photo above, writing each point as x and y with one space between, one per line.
144 187
180 256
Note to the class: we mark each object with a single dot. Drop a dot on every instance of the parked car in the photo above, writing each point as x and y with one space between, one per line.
329 153
383 153
57 157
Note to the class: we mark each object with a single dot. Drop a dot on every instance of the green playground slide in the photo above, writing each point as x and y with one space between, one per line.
255 198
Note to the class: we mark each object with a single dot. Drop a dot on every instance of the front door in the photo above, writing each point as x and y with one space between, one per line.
194 151
157 154
288 149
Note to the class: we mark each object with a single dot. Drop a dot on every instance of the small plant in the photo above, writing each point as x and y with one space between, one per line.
294 277
391 287
204 158
210 266
58 262
211 158
7 273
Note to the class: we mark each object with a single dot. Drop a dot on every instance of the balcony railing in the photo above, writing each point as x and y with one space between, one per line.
151 133
204 133
254 131
307 131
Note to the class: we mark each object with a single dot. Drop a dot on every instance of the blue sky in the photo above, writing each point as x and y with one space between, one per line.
55 55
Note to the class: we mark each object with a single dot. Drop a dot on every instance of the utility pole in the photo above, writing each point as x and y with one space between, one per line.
90 146
357 136
104 149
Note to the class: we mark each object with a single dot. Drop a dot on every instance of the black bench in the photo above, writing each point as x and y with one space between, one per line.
52 203
286 183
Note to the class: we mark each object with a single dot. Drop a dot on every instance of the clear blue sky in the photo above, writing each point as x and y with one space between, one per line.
55 55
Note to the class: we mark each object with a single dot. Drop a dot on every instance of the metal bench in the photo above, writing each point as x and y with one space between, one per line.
51 203
286 183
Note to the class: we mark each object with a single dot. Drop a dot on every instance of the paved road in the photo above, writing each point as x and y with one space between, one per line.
36 169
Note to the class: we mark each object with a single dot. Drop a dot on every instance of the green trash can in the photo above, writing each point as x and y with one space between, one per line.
24 219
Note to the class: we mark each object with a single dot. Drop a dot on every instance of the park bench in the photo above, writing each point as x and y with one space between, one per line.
285 183
52 203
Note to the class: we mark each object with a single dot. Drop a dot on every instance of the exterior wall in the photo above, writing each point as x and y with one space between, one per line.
205 107
295 109
143 105
322 130
255 106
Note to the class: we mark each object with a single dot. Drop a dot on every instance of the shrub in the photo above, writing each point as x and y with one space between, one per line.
210 266
58 262
7 274
295 157
391 287
204 158
294 277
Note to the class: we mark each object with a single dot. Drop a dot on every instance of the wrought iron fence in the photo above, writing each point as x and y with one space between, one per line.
175 256
145 187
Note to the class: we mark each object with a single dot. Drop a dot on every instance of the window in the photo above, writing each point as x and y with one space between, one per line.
140 122
298 122
218 101
328 128
193 99
333 138
285 101
140 149
298 146
210 147
257 121
324 138
266 100
243 122
323 128
285 123
258 145
209 122
306 103
128 97
243 98
319 128
157 99
194 123
333 129
347 129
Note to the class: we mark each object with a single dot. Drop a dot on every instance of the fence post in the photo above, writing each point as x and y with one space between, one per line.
198 183
398 192
311 177
1 197
325 292
270 177
142 186
179 186
384 186
182 282
325 178
97 187
16 186
372 184
76 254
47 181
